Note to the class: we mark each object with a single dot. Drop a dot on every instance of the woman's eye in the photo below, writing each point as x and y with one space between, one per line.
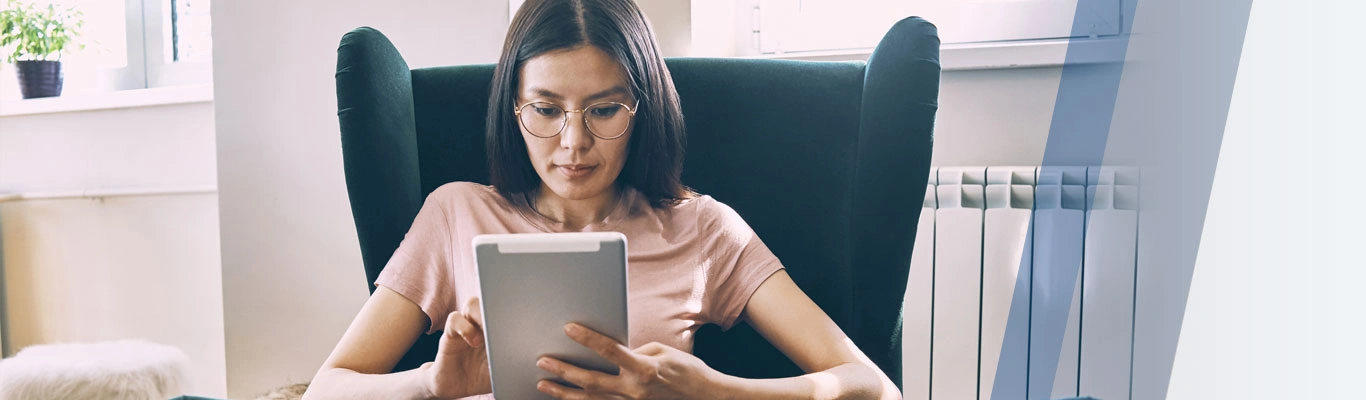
606 111
546 111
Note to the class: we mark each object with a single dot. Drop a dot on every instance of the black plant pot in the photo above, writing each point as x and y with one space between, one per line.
40 78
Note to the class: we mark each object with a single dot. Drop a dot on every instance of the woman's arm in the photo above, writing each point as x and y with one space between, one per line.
359 366
837 369
780 312
383 331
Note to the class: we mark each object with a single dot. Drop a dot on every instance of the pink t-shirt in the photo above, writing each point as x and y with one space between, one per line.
694 263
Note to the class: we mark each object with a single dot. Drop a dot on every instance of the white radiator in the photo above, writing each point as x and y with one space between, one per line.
1022 284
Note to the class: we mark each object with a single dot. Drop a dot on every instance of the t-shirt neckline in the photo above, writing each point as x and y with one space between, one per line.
625 201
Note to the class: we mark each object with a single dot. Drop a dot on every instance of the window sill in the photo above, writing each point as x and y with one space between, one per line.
998 55
109 101
107 193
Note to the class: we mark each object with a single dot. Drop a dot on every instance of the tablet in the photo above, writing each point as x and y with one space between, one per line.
531 286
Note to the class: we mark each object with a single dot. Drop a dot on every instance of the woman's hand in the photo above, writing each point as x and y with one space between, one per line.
461 367
653 371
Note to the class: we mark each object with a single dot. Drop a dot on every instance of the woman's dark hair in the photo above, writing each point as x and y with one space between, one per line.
654 160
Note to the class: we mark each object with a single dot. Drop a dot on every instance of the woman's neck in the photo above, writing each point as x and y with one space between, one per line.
575 214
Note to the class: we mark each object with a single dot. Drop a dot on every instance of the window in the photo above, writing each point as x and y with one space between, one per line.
829 25
191 36
132 44
179 43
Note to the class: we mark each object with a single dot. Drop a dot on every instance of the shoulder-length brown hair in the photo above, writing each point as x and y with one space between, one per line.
654 161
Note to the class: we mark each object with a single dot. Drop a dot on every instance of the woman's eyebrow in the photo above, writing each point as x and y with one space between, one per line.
605 93
546 93
614 90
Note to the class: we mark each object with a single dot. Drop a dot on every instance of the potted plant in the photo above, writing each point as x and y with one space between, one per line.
39 36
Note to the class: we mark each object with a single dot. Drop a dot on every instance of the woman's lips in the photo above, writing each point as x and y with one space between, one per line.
575 170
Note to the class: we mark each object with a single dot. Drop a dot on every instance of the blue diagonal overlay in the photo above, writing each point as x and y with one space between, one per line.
1159 106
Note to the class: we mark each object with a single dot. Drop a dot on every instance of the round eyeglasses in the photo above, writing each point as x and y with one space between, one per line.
606 121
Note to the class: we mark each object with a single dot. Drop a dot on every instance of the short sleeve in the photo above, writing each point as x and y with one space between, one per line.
739 263
421 269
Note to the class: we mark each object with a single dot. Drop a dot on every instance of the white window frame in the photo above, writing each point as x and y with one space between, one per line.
156 45
134 74
740 28
960 22
147 28
145 80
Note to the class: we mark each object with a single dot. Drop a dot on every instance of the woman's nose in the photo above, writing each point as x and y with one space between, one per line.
576 133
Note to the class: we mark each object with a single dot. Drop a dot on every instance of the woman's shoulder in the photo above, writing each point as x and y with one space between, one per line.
464 189
474 208
708 212
712 221
467 195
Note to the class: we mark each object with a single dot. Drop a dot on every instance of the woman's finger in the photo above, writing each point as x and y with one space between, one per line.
653 349
475 311
553 389
451 336
471 333
607 347
561 391
591 381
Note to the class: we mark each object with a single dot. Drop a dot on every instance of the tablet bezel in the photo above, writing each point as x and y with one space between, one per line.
597 275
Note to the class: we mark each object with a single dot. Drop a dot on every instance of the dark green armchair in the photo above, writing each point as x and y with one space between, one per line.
827 161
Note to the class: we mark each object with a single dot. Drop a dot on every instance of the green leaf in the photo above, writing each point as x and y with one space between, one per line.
39 33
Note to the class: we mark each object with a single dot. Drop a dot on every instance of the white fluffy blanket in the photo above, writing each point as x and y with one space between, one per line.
123 370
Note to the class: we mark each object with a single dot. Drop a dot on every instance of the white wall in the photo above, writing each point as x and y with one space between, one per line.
994 116
292 274
672 23
130 267
168 145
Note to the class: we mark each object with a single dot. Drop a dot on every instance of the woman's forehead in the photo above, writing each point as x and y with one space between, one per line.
578 73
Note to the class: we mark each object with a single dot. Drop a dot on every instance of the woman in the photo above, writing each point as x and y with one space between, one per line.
585 133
